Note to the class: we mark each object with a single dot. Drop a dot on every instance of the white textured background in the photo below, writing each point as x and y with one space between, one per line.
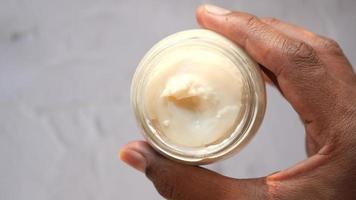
65 70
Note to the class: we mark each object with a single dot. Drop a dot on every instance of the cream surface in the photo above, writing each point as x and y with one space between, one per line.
195 96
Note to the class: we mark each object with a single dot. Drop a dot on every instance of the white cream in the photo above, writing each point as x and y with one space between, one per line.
195 96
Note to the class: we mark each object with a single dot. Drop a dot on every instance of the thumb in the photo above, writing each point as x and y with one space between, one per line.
178 181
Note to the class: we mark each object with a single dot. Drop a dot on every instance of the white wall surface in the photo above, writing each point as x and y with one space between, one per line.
65 72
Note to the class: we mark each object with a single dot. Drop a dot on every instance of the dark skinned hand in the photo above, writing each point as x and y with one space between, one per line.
315 77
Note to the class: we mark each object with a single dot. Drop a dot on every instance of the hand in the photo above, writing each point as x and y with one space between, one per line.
316 78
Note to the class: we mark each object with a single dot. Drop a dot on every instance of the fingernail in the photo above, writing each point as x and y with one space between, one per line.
134 159
215 10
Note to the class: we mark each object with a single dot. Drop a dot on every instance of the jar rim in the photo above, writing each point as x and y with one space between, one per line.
250 71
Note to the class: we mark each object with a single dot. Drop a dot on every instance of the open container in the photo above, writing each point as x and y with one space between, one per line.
249 118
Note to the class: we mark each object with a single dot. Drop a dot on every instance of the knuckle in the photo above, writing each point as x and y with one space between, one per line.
251 21
165 183
270 20
255 26
301 54
303 63
167 190
329 45
150 172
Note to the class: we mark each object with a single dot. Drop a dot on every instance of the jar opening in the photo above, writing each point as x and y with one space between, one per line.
198 97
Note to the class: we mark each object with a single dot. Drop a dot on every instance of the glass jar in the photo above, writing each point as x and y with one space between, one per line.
253 93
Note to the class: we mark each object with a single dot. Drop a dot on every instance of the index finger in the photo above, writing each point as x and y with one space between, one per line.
265 44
